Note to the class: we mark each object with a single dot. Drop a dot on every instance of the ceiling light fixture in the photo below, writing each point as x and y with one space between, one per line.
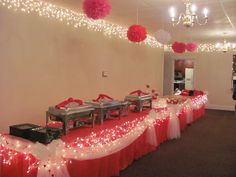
225 46
189 18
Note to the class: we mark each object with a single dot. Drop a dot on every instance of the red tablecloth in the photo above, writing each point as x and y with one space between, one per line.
198 113
101 167
183 119
109 165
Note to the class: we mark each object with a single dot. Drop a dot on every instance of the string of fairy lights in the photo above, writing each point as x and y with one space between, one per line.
202 47
89 147
58 154
77 20
72 18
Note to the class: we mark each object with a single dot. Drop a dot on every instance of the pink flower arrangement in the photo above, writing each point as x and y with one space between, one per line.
96 9
137 33
191 47
178 47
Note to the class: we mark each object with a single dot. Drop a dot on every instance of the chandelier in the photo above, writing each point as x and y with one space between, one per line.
225 46
189 18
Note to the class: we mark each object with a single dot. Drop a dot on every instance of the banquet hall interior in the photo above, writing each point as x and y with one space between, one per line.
102 88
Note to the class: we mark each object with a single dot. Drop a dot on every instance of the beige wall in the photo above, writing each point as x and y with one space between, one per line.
44 62
212 73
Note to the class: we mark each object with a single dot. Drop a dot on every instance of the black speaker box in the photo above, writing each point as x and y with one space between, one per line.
35 132
45 134
22 130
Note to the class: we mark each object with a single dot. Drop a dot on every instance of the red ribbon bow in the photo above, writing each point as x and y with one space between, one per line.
138 92
66 102
101 97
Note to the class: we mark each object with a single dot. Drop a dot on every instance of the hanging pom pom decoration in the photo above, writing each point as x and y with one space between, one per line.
137 33
179 47
191 47
96 9
162 37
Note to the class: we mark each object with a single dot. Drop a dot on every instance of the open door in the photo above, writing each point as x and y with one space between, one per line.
189 79
183 74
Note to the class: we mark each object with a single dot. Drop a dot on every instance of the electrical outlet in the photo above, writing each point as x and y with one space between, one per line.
104 74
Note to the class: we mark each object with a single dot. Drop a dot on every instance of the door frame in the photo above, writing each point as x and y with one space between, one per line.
173 70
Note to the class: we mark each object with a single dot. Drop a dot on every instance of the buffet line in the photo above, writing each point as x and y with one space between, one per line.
154 117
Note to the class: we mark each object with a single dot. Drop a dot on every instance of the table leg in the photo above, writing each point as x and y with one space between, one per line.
120 111
136 103
93 119
140 106
126 108
65 127
101 116
47 118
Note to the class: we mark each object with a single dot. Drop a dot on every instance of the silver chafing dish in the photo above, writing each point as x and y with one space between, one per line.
79 114
140 101
104 107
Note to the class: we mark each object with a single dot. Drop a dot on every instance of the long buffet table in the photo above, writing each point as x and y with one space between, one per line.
101 151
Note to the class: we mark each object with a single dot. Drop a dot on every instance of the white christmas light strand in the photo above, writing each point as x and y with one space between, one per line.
207 47
113 140
202 47
95 145
77 20
73 18
55 156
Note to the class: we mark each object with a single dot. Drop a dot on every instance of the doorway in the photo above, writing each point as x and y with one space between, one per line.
183 74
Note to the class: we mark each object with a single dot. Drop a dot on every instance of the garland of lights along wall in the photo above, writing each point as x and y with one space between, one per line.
76 20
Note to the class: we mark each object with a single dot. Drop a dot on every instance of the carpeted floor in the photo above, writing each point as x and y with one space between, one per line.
207 148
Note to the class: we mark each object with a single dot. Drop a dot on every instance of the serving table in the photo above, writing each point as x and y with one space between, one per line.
102 151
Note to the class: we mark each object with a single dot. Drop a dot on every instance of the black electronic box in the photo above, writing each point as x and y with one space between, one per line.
35 132
45 134
22 130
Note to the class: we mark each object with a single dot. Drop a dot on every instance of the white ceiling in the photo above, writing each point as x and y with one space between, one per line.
154 15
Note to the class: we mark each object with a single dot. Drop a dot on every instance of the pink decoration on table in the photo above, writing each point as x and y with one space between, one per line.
65 103
198 92
96 9
138 92
178 47
137 33
154 94
102 97
172 101
191 47
185 92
